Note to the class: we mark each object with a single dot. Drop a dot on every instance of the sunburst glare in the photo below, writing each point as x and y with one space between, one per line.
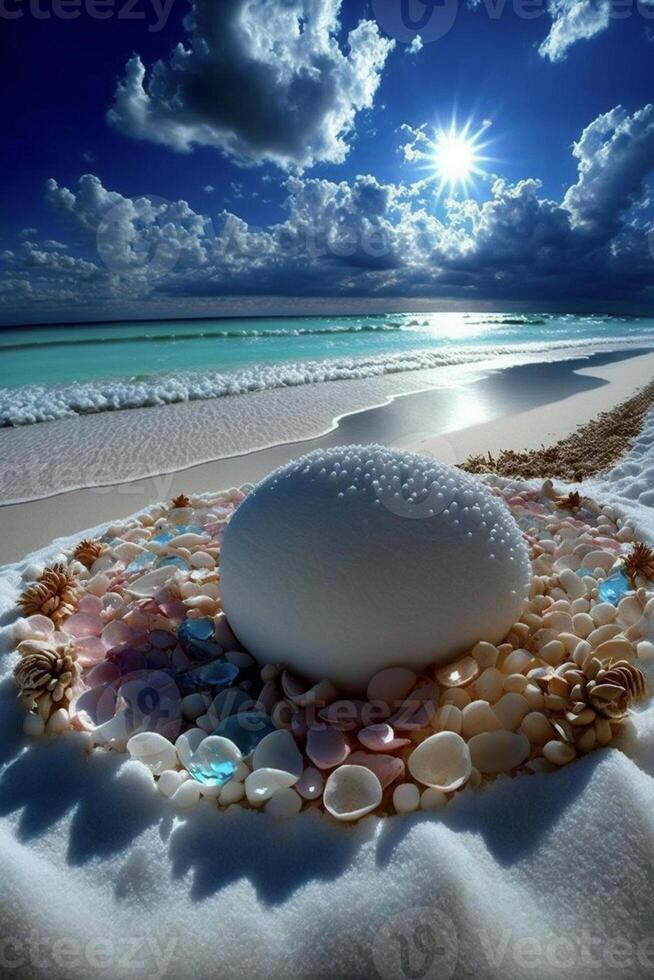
454 157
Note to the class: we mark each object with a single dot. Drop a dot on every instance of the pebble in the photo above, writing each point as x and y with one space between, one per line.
311 783
602 614
442 761
477 717
279 750
495 752
153 750
536 726
262 784
572 583
617 648
406 798
231 792
645 650
169 782
517 662
490 684
284 804
351 792
187 796
194 705
456 696
449 718
432 799
327 747
485 654
391 685
560 753
510 710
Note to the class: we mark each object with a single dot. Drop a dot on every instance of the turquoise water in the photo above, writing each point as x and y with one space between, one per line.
60 355
54 372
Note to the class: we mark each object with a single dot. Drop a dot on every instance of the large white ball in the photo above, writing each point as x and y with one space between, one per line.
354 559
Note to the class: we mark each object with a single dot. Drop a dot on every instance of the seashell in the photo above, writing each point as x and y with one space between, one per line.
284 804
351 792
495 752
33 628
90 604
262 784
114 634
459 674
278 750
615 649
153 750
310 784
387 768
326 747
381 738
189 540
391 686
149 584
441 761
406 798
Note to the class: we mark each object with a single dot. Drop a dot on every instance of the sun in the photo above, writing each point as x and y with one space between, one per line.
452 156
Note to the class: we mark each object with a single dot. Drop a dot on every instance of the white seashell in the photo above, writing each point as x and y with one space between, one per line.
285 803
387 768
351 792
188 795
406 798
33 628
311 783
278 750
442 761
147 585
58 722
432 799
303 693
616 649
495 752
490 684
459 674
202 560
262 784
153 750
33 725
391 686
599 559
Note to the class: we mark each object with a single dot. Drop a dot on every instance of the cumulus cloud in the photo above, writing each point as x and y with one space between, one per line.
366 238
572 21
259 80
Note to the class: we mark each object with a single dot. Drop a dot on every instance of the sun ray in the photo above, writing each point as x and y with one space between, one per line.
453 157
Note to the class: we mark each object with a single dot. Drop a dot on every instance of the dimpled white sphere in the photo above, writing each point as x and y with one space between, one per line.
354 559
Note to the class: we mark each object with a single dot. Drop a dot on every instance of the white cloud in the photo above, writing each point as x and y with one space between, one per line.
415 46
259 80
572 21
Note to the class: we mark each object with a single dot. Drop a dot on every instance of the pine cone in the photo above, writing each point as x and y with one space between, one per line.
182 501
54 595
605 691
45 675
87 552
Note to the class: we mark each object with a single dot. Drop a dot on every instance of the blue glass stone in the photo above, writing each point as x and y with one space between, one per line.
173 560
585 572
246 730
211 771
163 538
613 588
196 629
187 529
213 676
145 560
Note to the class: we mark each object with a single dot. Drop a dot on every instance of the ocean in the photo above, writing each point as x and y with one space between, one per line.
50 372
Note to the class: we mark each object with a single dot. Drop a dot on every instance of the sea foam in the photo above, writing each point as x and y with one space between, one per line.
42 403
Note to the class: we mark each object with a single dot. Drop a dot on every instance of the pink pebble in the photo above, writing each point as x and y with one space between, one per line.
115 634
90 650
84 624
90 604
381 738
310 785
387 768
173 609
326 747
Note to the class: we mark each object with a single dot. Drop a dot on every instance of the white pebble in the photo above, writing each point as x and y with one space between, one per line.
188 795
231 792
285 803
645 651
58 722
261 784
572 583
153 750
602 614
495 752
406 798
432 799
510 710
169 782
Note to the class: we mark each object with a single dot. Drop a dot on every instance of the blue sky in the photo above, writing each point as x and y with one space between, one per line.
178 159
